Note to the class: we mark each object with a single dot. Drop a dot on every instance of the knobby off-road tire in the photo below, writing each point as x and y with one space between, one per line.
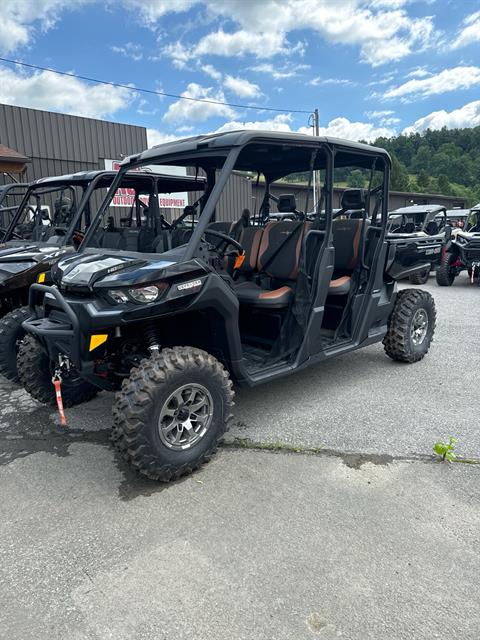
144 407
444 274
411 326
11 334
419 278
35 373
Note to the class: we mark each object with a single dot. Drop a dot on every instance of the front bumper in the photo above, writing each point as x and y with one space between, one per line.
64 325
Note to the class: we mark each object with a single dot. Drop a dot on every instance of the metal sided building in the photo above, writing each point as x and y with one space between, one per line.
60 144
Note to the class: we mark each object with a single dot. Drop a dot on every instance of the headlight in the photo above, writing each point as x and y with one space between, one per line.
139 295
144 294
118 296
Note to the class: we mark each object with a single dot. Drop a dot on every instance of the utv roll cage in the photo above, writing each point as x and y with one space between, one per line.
217 155
15 190
429 219
88 182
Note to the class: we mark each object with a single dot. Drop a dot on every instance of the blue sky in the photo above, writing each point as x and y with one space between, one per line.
371 67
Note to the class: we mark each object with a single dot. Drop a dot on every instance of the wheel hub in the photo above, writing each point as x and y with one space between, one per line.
185 416
419 327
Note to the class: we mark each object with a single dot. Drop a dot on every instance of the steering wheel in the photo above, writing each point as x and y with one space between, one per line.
227 240
239 252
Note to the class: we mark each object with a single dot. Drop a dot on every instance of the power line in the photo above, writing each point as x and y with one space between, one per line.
150 91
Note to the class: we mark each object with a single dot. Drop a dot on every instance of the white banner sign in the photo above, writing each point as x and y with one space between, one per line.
125 197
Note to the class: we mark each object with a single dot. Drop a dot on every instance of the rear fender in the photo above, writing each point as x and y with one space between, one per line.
409 255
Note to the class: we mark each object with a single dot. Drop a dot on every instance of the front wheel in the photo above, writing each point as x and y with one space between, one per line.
172 412
419 278
11 335
411 326
35 370
445 273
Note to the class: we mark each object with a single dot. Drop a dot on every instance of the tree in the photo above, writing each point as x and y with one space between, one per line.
355 179
398 175
444 185
423 181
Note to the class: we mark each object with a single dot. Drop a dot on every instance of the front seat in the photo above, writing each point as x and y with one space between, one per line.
276 266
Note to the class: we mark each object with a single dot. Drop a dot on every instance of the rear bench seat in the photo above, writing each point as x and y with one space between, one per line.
269 273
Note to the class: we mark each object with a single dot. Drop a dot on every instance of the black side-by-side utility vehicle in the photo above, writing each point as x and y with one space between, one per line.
50 222
425 225
462 251
170 330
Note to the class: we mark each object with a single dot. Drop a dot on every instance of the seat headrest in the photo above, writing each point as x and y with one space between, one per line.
353 199
286 203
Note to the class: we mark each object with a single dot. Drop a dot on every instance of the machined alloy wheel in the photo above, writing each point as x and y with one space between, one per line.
185 417
419 327
172 412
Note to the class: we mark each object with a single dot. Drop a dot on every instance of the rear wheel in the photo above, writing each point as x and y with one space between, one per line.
419 278
11 334
445 274
172 412
411 326
35 370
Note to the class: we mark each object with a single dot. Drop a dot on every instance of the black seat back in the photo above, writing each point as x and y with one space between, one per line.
280 247
347 237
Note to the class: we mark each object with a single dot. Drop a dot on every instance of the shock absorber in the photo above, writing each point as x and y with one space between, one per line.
152 339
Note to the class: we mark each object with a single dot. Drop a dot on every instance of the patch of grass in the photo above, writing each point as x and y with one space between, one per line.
445 449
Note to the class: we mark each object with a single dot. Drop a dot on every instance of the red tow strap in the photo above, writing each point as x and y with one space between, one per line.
57 383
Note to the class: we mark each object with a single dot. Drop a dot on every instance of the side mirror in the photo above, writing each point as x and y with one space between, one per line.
44 215
448 232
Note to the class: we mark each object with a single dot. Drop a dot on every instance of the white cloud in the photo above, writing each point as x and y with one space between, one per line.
419 72
280 122
315 82
343 128
470 32
338 128
466 116
155 137
188 110
242 87
446 80
129 50
379 114
384 31
20 17
240 43
280 72
49 91
210 70
152 10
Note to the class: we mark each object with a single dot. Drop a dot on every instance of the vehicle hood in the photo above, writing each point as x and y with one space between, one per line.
116 269
15 260
29 252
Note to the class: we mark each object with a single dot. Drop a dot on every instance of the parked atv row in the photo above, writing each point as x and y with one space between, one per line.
462 251
170 315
